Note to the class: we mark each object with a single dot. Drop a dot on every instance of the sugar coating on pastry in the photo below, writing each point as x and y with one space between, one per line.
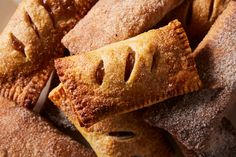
202 111
121 135
197 16
31 41
24 133
130 74
111 21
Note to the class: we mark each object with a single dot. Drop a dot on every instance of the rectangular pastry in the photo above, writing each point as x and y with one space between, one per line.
123 135
130 74
31 41
111 21
193 118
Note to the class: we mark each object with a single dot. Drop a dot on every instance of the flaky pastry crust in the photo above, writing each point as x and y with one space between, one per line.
31 41
25 134
203 111
130 74
119 136
111 21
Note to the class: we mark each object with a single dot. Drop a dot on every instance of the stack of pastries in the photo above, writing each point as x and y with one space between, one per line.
141 79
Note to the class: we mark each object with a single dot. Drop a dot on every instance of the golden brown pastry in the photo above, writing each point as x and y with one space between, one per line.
130 74
124 135
197 16
194 118
110 21
25 134
31 41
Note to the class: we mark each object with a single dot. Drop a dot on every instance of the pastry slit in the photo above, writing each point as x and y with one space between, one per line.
33 25
100 73
154 62
49 10
211 9
129 65
17 44
122 135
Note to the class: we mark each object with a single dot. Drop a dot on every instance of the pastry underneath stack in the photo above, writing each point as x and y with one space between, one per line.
127 78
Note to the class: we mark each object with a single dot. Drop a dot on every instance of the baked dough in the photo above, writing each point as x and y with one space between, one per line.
31 41
123 135
130 74
193 118
25 134
111 21
197 16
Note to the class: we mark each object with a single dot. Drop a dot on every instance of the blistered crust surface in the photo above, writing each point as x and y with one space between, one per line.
122 135
162 67
24 133
110 21
202 111
31 41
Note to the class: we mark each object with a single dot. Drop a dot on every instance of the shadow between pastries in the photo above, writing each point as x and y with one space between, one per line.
111 21
124 135
25 134
31 41
197 16
130 74
194 118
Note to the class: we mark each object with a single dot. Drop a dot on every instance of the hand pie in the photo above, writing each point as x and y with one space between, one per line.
203 111
110 21
197 16
24 133
122 135
130 74
31 41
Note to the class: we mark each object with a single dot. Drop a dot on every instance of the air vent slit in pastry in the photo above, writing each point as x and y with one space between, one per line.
211 9
100 73
130 61
121 135
17 45
33 25
129 82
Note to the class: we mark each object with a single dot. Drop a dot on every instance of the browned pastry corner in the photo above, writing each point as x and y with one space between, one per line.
192 118
130 74
123 135
23 133
197 16
115 20
31 41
